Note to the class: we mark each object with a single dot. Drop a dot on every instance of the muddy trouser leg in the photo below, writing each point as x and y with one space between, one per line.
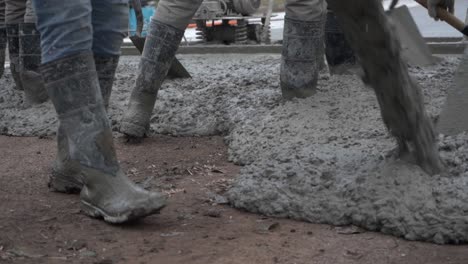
3 37
14 15
30 59
164 35
303 44
69 72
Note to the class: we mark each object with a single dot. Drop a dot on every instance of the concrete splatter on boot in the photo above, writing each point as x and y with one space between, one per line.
65 177
3 43
30 60
105 67
107 193
13 51
301 57
161 45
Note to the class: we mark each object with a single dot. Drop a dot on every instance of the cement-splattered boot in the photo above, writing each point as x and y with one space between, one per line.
303 45
105 67
161 45
73 87
13 51
65 178
3 44
30 60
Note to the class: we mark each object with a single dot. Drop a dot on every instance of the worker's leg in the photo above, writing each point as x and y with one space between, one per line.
15 11
3 37
71 79
30 58
164 35
176 13
302 47
109 32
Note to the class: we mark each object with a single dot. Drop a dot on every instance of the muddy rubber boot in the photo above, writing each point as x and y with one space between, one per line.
105 67
13 50
30 60
65 178
3 44
301 57
107 193
161 45
337 48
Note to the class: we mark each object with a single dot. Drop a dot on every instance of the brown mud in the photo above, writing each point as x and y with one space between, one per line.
37 226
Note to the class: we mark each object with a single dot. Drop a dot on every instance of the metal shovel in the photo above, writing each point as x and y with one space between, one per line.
414 48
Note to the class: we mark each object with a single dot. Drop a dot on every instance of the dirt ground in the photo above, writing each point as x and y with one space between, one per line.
38 226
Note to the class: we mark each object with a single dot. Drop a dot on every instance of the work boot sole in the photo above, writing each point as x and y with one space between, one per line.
131 215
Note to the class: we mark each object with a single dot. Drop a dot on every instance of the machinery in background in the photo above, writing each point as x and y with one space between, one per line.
230 22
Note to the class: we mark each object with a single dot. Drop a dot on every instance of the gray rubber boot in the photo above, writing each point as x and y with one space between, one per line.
303 50
3 44
13 50
73 87
105 67
65 178
30 60
161 45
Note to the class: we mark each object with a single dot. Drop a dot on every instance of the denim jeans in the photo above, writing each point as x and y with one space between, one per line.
68 27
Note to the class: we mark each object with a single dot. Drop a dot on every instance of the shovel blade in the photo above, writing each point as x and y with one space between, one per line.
453 118
177 70
414 48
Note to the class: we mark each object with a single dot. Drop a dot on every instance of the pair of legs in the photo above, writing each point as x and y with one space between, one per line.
302 51
80 44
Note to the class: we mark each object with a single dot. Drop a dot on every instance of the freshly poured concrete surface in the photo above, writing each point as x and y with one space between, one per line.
325 159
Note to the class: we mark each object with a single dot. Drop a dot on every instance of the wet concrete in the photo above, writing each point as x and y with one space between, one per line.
326 159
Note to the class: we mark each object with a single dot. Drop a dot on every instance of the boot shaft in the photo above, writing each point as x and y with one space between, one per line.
3 38
13 51
303 40
29 47
105 68
13 39
302 56
161 45
3 42
72 83
73 87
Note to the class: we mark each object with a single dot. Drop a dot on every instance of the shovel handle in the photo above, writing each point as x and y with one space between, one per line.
448 18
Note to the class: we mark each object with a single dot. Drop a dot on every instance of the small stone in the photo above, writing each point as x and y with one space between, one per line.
88 254
265 227
213 212
77 245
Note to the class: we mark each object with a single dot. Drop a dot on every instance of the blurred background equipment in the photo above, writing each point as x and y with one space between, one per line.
229 21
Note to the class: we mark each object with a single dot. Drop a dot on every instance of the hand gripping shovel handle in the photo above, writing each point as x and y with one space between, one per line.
449 18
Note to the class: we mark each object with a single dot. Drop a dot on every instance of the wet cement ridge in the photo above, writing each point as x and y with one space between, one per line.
325 159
